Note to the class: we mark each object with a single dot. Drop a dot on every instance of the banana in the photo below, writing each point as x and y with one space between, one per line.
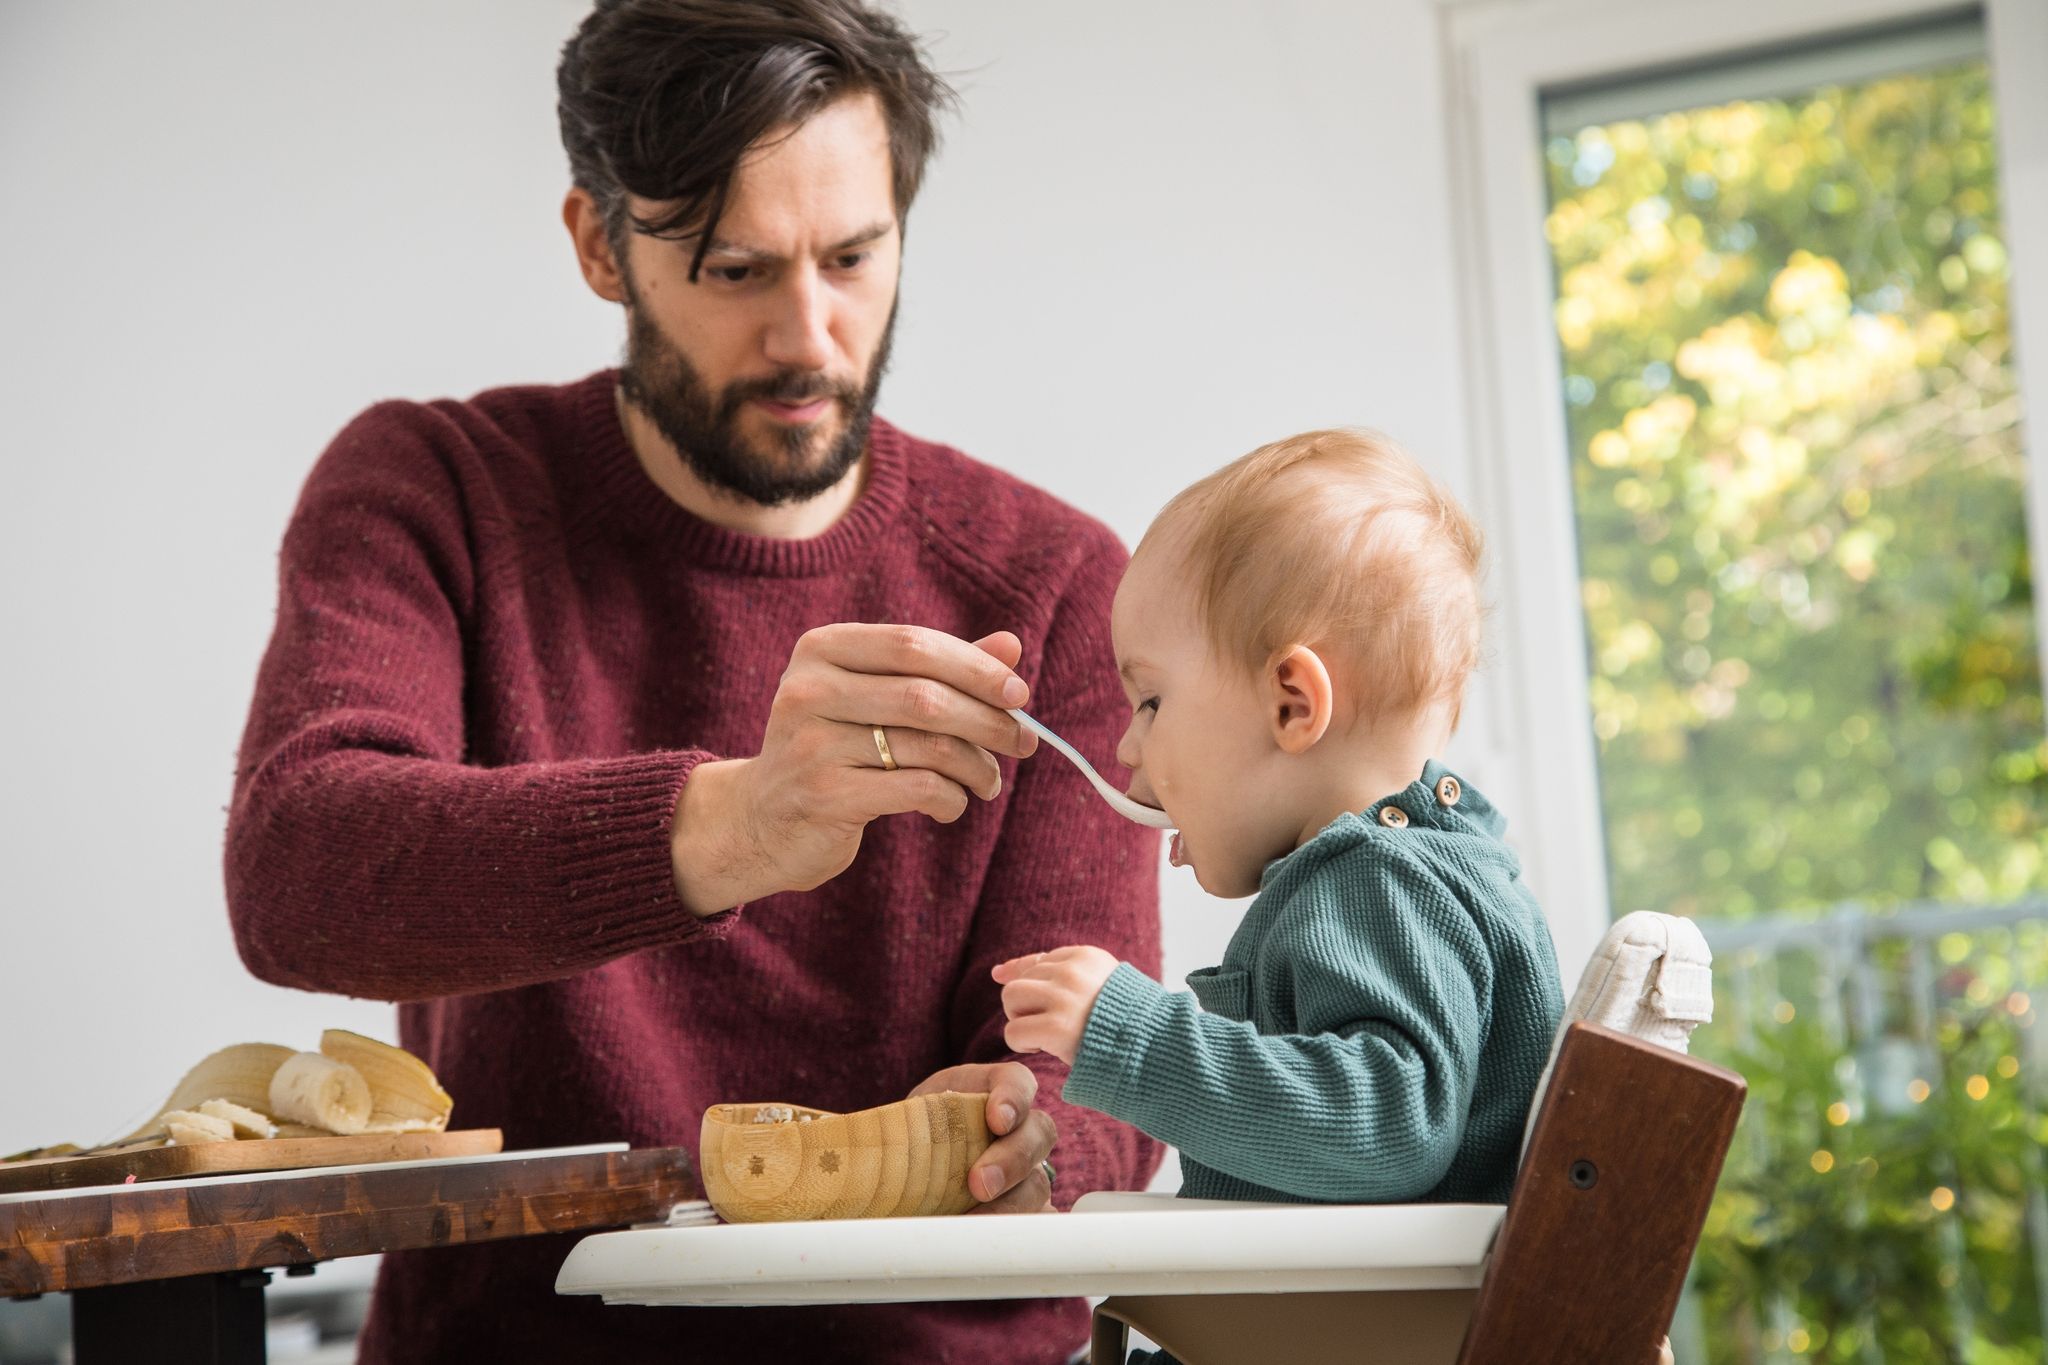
239 1074
246 1122
310 1088
188 1128
404 1096
254 1091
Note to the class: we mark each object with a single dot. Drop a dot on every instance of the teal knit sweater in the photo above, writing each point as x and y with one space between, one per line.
1374 1033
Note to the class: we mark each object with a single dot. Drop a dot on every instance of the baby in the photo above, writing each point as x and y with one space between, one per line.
1295 633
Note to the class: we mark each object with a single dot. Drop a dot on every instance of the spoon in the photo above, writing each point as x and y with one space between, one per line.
1118 802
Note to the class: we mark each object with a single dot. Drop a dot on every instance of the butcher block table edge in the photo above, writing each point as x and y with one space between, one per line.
125 1234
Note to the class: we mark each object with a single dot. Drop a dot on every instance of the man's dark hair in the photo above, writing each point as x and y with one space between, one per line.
659 98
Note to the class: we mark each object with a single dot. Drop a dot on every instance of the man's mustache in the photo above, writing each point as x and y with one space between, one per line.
790 386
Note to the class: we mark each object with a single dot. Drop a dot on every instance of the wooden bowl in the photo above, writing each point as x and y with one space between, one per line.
770 1163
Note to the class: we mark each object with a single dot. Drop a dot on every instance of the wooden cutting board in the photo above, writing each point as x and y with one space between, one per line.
222 1158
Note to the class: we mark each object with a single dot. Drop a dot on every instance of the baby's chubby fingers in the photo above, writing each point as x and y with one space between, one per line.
1037 964
1029 995
1057 1031
1006 972
1033 1033
1049 996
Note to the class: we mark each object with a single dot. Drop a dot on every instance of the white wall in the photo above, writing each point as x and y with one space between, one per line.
1160 234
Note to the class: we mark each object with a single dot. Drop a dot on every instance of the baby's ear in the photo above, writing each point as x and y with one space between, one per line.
1298 699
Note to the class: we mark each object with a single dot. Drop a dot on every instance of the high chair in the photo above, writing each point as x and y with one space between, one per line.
1585 1264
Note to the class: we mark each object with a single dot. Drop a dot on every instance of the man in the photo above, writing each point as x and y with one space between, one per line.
563 739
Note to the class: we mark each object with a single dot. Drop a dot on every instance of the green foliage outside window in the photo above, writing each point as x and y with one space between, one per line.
1799 483
1876 1205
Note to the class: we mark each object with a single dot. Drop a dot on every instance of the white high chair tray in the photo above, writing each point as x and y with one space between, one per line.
1109 1244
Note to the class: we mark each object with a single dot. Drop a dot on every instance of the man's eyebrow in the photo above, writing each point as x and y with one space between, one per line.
871 233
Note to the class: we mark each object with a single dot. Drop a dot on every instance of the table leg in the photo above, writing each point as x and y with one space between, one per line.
193 1320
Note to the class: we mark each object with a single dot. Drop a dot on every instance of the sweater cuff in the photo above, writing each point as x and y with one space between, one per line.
615 858
1120 1028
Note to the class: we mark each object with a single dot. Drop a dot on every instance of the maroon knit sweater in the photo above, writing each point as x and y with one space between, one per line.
500 650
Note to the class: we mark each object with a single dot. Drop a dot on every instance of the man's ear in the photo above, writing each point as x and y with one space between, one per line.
1298 699
585 222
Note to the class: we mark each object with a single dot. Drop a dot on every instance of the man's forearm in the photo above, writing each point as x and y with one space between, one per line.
400 878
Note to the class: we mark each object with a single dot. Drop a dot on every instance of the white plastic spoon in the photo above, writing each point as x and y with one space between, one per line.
1118 802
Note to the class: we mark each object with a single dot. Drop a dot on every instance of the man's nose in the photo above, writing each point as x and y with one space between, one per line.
800 334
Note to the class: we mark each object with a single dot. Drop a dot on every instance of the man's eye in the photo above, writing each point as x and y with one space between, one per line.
729 274
851 260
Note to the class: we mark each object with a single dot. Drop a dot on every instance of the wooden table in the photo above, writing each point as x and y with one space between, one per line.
173 1271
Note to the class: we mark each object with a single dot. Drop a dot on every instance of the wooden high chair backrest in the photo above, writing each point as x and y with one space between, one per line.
1616 1178
1625 1141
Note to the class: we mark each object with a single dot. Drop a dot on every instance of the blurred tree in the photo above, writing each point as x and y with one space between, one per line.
1799 487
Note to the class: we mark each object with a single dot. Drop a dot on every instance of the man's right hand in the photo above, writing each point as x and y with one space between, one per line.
791 817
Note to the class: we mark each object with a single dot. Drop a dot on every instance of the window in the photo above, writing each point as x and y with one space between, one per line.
1791 502
1799 496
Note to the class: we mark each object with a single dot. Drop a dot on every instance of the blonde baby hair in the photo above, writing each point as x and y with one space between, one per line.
1340 541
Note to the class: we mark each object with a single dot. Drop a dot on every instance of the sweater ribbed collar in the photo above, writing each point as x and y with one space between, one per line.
625 500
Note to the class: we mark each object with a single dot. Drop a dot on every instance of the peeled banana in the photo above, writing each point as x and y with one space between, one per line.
188 1128
314 1089
405 1097
245 1122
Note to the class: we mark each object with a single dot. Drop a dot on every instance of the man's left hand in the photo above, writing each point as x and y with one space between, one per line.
1010 1176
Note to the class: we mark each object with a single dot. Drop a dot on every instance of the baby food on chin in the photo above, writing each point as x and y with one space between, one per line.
1177 851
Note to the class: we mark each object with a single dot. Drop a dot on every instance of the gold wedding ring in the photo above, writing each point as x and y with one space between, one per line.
882 748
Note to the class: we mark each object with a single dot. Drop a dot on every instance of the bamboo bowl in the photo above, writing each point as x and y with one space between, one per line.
772 1163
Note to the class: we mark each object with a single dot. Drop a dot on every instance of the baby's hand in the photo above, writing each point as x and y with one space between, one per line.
1048 997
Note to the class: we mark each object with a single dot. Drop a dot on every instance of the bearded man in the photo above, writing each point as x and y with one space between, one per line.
647 737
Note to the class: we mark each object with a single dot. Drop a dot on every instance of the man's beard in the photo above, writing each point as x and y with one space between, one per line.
704 427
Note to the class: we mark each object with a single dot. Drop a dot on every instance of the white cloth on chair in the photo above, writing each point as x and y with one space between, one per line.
1651 978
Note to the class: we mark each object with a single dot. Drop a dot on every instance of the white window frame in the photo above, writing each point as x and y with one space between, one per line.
1500 57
